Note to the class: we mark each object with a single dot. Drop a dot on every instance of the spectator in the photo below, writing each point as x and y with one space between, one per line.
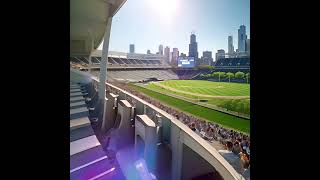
231 158
248 148
246 167
193 126
236 148
219 133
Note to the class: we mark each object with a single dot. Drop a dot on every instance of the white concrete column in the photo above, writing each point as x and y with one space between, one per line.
177 152
110 112
104 60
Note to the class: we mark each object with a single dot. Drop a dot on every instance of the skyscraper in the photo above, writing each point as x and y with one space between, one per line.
161 49
175 54
248 46
206 58
183 55
242 37
193 48
230 45
148 51
167 54
131 47
220 54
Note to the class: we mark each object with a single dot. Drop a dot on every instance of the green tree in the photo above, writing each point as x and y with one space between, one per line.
223 75
248 77
215 74
239 75
230 75
205 67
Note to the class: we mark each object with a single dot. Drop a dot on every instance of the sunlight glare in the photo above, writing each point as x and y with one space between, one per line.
165 8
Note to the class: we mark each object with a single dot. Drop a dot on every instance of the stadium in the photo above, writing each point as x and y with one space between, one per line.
135 116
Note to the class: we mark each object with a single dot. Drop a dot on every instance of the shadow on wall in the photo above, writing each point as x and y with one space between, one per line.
140 147
204 170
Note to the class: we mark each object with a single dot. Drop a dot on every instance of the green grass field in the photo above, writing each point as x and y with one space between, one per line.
232 96
224 119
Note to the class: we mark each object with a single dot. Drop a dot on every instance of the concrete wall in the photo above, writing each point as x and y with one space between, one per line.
181 135
147 132
125 132
190 160
110 116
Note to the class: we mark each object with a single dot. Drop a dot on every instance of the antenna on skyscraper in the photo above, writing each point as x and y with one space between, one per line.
192 32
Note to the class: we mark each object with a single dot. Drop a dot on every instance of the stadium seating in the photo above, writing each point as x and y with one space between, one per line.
119 62
94 60
132 61
126 61
98 58
139 61
141 75
111 61
83 59
74 60
233 64
188 73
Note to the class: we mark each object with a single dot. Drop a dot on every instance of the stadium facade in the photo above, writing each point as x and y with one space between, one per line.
233 64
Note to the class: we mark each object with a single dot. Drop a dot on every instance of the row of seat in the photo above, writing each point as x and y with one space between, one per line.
117 61
88 160
139 75
233 62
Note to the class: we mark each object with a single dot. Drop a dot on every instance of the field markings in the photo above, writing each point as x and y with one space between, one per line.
232 89
223 119
201 95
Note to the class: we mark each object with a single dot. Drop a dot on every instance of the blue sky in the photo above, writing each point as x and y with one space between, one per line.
149 23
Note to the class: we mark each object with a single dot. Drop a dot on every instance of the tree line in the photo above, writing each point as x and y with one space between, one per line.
229 75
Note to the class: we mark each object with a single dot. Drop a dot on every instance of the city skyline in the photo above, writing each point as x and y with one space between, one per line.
149 28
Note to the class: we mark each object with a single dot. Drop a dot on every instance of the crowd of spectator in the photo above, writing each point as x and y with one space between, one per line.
237 144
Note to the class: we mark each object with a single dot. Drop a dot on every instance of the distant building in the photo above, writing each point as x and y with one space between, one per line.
161 49
148 51
206 58
167 53
174 57
230 45
220 54
193 48
248 46
242 37
131 47
183 55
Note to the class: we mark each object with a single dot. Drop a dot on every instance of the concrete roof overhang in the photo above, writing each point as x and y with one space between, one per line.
88 22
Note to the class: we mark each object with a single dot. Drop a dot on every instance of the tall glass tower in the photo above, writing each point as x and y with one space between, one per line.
242 38
131 47
193 48
230 45
161 49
